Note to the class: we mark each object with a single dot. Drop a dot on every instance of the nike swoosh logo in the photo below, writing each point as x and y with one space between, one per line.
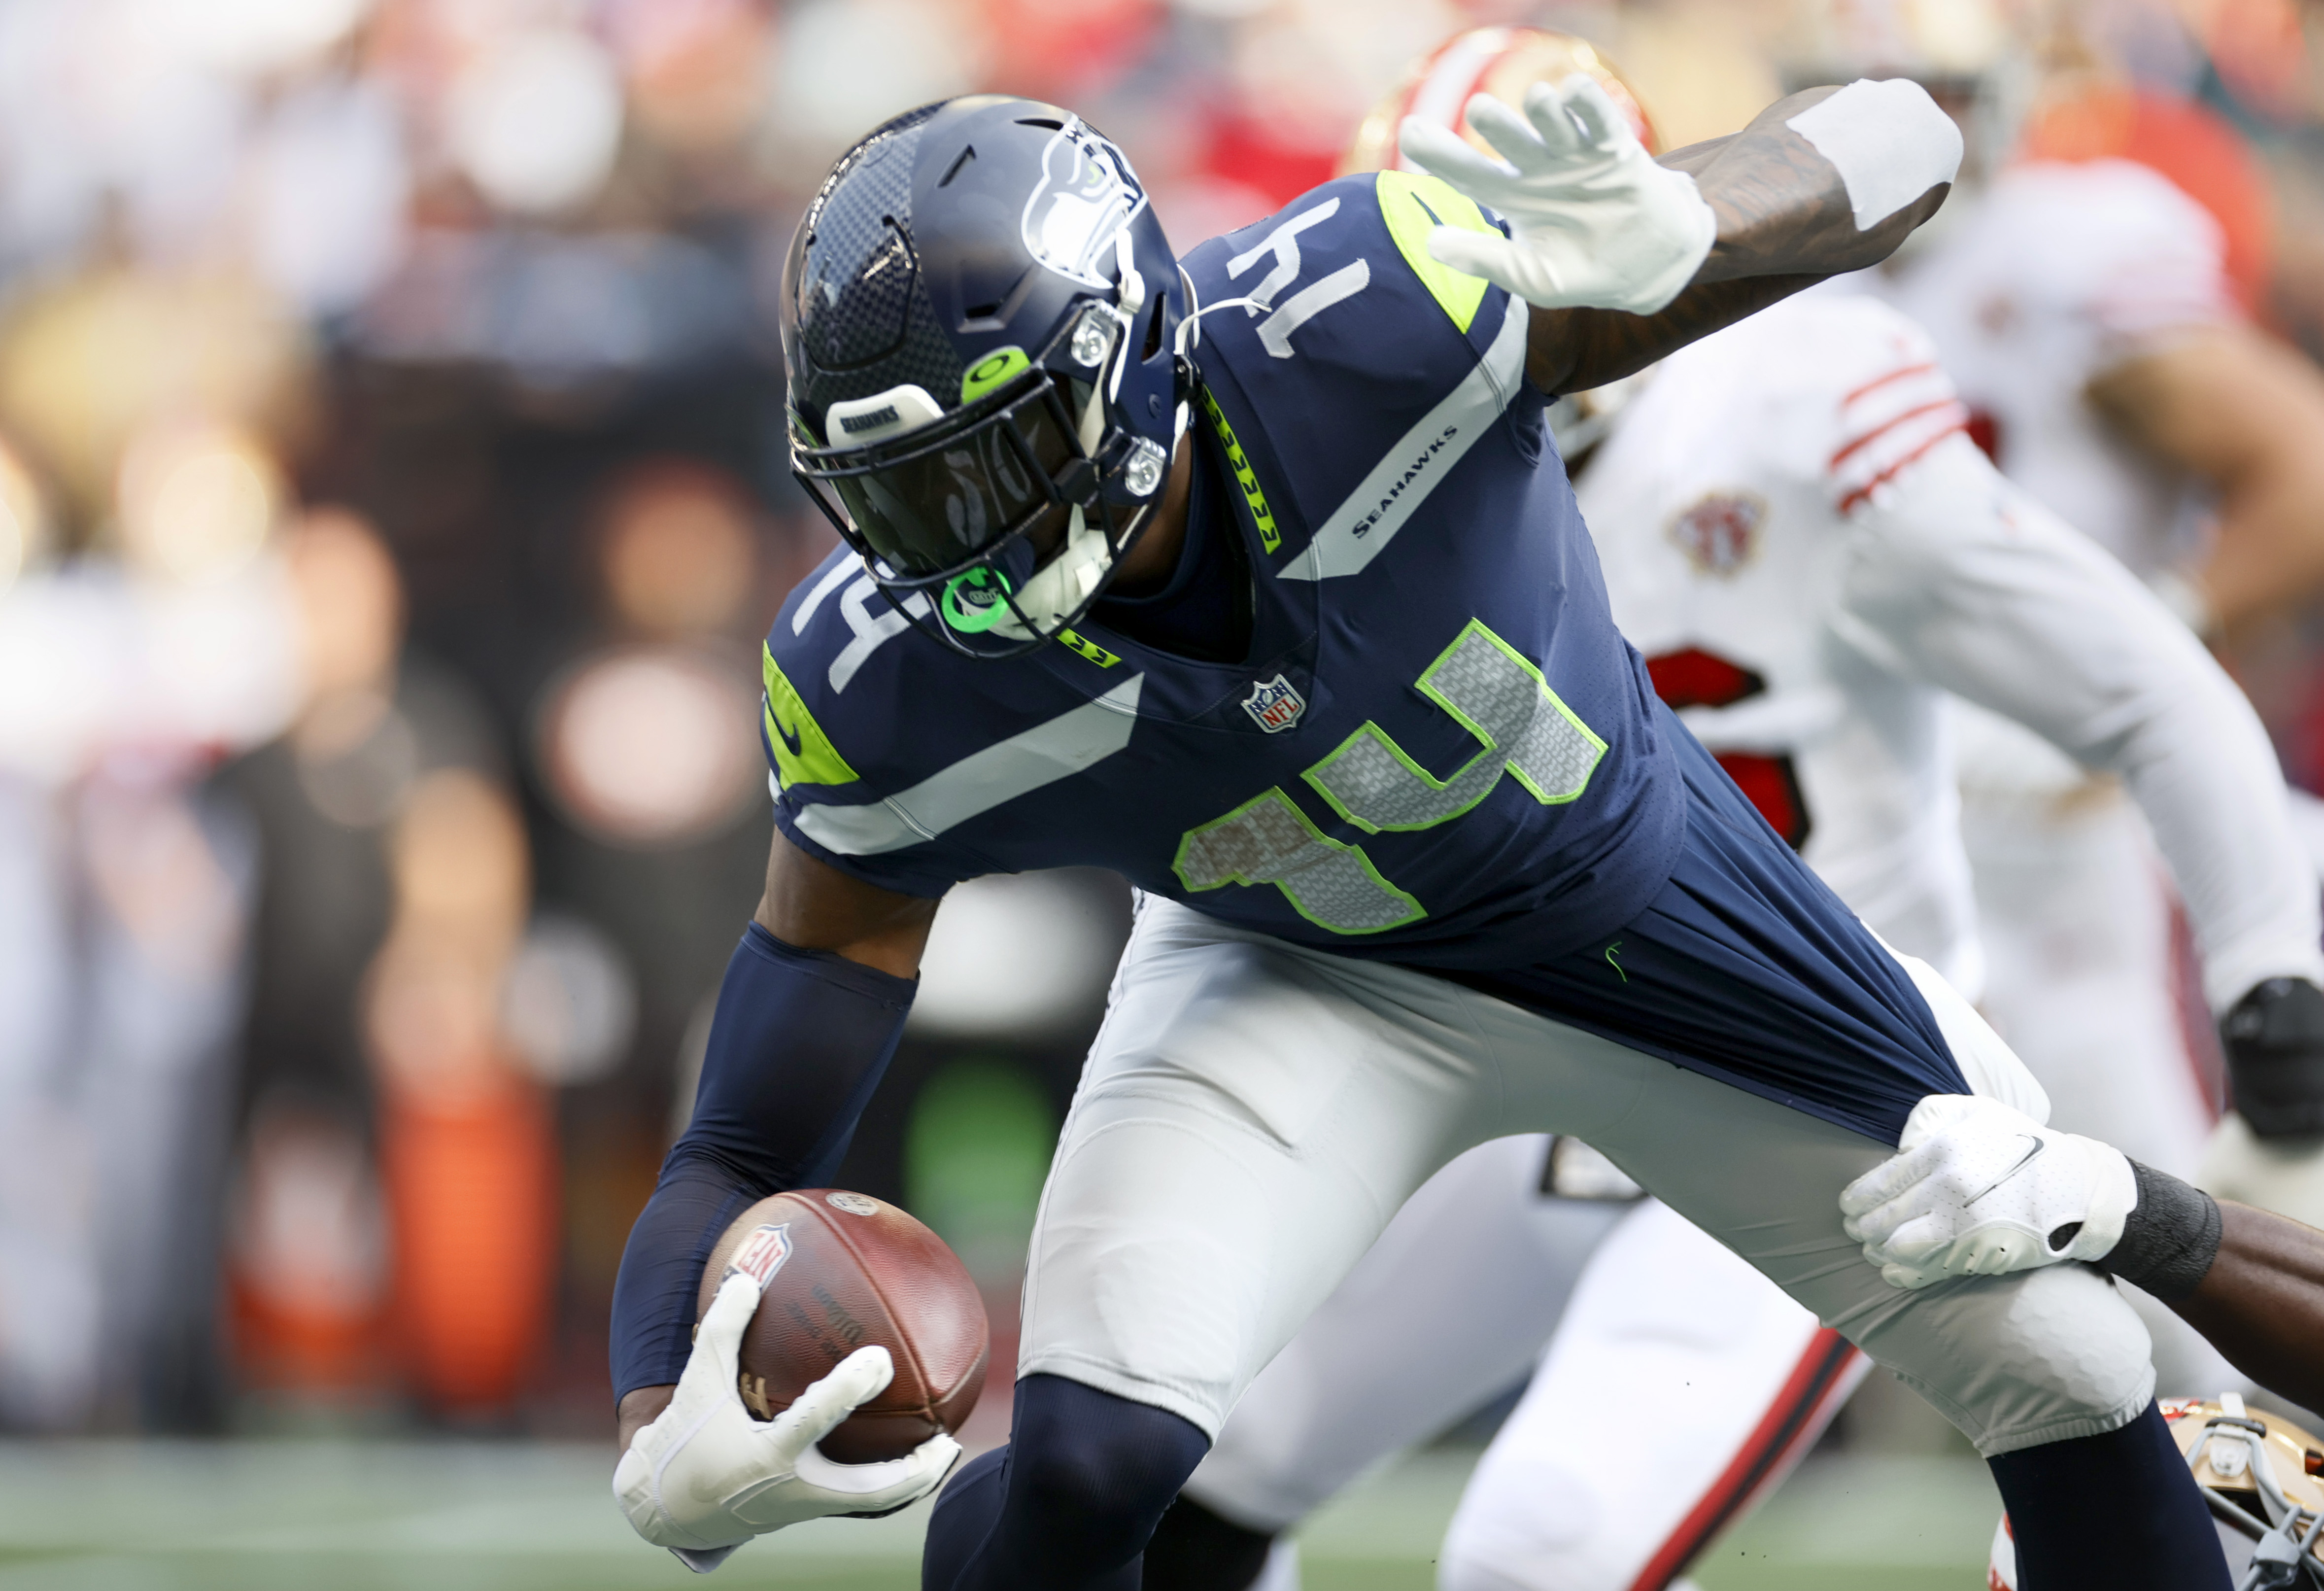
786 735
2039 1145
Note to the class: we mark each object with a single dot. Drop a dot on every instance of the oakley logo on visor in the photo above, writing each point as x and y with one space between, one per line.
858 421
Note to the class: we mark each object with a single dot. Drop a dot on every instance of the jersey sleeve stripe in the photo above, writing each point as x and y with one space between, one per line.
1864 493
1024 763
1882 381
1369 520
1868 437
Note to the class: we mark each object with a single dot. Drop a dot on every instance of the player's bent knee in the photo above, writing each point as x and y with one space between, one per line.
2019 1361
1096 1466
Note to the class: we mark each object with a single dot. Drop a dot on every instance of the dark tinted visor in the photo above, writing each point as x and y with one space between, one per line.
938 504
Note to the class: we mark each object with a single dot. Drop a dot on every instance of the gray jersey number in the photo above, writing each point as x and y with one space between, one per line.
1496 694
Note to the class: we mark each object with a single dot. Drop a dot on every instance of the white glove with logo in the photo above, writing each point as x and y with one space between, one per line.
705 1478
1976 1189
1595 221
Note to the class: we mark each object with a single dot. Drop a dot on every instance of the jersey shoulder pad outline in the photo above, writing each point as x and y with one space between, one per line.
1413 206
1369 229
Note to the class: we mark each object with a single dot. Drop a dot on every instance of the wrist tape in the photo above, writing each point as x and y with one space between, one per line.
2171 1238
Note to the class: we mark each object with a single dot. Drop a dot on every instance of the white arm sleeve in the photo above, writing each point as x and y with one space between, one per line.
1958 579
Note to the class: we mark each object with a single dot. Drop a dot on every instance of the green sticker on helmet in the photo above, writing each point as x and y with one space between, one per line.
994 370
986 586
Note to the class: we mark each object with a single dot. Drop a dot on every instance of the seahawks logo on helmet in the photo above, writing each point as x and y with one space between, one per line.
1086 195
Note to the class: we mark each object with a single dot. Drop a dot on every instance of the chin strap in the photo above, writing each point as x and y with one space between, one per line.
1190 334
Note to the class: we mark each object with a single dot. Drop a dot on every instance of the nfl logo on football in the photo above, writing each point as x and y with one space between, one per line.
1274 704
762 1254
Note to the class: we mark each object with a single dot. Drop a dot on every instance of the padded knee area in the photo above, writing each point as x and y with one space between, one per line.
2018 1361
1071 1501
1097 1467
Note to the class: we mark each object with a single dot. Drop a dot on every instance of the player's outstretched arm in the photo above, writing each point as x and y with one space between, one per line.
1978 1189
1957 579
807 1018
1627 259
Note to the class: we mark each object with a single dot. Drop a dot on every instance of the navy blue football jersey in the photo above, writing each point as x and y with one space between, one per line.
1439 749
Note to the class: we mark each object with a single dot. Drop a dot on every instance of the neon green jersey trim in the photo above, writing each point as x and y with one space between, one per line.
1415 205
1245 475
1076 642
804 754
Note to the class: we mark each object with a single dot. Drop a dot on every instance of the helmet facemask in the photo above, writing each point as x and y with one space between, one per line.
996 526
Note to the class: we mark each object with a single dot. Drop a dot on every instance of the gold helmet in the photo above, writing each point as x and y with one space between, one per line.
2263 1476
1503 62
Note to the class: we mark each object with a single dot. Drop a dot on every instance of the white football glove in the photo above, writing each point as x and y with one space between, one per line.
705 1478
1594 221
1976 1189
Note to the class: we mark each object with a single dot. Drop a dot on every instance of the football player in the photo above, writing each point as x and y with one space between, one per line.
2087 313
1250 574
1796 532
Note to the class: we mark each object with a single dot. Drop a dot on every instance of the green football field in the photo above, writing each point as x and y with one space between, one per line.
305 1516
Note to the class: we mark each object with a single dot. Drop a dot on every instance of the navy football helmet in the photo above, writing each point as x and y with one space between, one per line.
979 314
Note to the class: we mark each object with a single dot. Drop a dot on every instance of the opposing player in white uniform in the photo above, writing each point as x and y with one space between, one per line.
1797 534
2085 311
1810 551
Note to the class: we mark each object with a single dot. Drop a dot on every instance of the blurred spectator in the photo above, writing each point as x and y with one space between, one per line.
326 802
468 1156
125 675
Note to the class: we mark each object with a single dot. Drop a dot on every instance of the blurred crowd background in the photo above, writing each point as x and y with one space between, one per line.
393 492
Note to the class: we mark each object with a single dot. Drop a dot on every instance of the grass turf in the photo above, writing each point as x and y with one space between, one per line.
296 1516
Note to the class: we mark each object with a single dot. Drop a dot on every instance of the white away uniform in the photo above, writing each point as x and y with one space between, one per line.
1800 537
2062 272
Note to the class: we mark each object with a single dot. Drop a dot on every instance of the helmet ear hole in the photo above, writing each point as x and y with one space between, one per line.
1153 331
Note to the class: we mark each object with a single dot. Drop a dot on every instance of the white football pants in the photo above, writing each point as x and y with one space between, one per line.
2084 980
1643 1431
1253 1112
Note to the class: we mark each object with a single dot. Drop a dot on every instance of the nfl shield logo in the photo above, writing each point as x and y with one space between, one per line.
1274 704
762 1254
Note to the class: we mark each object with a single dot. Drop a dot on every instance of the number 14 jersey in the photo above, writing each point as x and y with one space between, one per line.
1438 749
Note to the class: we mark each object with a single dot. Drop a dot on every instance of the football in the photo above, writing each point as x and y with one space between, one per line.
840 1272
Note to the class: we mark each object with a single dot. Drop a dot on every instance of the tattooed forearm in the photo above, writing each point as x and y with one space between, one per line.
1785 222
